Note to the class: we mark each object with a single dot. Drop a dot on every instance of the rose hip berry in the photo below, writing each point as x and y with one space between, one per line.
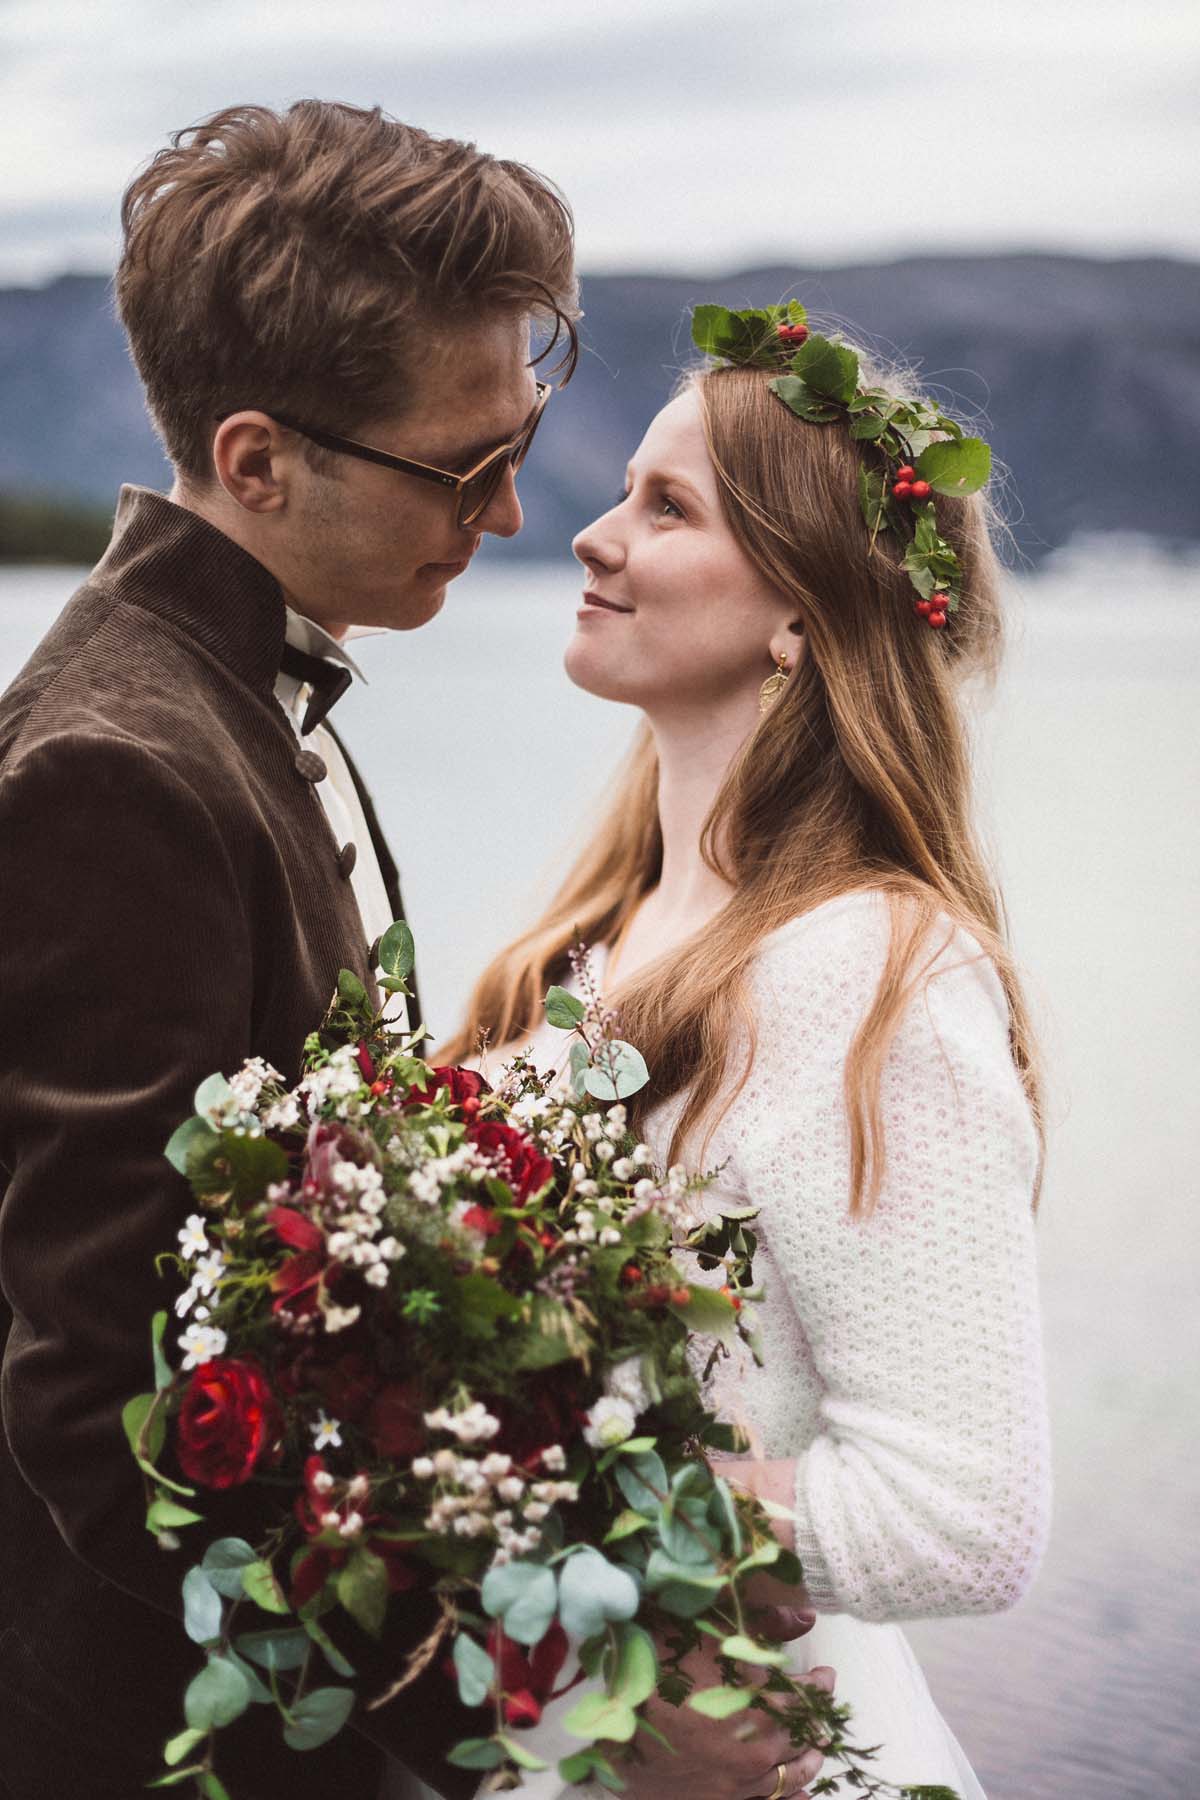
921 490
792 334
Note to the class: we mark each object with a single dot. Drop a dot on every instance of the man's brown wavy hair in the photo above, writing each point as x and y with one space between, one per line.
298 260
860 776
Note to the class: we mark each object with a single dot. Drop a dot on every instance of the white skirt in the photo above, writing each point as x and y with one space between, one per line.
877 1676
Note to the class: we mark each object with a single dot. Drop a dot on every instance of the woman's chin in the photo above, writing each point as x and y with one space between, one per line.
597 675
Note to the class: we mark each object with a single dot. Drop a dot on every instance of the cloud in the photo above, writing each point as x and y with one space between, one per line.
685 134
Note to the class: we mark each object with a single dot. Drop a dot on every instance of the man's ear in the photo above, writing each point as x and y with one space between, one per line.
252 456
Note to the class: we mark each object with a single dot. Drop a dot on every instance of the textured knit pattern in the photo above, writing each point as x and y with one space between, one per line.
904 1365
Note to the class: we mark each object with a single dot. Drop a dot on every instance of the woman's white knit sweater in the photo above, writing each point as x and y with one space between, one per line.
903 1351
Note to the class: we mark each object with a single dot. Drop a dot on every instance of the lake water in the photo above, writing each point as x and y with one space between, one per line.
484 763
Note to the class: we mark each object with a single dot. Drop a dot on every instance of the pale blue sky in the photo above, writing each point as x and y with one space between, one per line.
687 135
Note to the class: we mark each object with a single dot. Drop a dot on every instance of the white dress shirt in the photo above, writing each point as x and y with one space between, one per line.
337 792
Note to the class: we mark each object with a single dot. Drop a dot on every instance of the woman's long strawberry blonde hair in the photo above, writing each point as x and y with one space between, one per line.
858 777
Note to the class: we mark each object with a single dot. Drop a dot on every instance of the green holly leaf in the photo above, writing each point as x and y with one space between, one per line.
828 368
959 466
799 398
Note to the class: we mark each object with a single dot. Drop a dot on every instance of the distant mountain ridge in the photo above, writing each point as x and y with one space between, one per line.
1086 372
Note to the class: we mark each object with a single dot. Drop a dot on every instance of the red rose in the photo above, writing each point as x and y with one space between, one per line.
519 1162
527 1677
229 1421
461 1084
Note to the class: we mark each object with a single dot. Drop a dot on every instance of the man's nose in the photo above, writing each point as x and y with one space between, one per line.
502 515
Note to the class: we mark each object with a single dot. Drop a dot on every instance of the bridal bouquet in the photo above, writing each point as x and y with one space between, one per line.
446 1325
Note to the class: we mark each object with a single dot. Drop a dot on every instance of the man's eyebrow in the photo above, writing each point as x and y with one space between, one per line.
470 454
665 478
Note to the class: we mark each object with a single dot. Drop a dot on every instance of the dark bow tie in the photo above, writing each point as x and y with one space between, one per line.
328 681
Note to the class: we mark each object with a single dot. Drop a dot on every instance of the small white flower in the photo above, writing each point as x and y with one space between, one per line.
322 1481
351 1525
609 1236
194 1237
208 1272
495 1464
617 1115
377 1275
326 1431
331 1520
283 1114
423 1468
642 1154
186 1301
391 1249
536 1510
445 1463
644 1190
359 1488
609 1422
623 1168
201 1343
554 1457
511 1488
624 1382
604 1152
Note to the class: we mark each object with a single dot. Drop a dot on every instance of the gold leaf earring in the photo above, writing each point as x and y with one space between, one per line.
773 686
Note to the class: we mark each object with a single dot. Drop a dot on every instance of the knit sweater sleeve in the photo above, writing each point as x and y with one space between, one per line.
926 1490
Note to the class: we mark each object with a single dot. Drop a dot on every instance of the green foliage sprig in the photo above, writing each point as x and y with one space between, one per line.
818 381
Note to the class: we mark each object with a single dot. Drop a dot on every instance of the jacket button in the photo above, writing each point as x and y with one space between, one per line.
347 858
311 766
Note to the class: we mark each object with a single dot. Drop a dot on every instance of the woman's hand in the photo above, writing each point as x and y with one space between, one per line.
779 1613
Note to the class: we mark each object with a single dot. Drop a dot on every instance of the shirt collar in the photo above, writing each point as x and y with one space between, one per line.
305 634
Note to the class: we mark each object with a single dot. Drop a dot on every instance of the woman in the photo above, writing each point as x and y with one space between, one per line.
791 914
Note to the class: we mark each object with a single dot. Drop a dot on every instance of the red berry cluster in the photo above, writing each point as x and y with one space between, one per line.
792 334
907 487
934 609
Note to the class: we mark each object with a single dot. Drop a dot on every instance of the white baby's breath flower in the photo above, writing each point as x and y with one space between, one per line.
201 1343
377 1275
391 1249
642 1154
422 1468
511 1488
536 1510
282 1114
193 1238
554 1457
644 1190
609 1422
340 1318
624 1168
604 1152
326 1431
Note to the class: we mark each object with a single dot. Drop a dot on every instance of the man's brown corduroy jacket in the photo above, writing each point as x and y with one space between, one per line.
171 902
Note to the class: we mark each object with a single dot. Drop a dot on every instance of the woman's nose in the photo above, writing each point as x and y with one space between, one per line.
598 545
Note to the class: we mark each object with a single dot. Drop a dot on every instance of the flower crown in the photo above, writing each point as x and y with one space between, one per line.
924 452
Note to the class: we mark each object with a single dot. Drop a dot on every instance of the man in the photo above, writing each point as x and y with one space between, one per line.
331 315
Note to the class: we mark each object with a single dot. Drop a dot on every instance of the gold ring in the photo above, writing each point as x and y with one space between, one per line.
780 1781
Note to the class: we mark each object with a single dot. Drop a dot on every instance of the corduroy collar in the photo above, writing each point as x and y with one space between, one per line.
171 562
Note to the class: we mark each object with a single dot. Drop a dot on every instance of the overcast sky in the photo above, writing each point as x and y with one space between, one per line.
687 135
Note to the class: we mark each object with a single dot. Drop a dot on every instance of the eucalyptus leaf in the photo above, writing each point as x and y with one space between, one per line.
163 1375
217 1696
592 1591
317 1717
578 1063
624 1525
333 1656
362 1588
397 951
476 1753
201 1608
563 1010
274 1649
212 1787
213 1094
637 1665
720 1702
164 1515
179 1745
617 1070
134 1414
600 1716
223 1563
191 1135
524 1596
258 1580
643 1481
744 1649
525 1759
474 1668
260 1694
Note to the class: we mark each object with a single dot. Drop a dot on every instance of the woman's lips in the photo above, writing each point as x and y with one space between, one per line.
591 600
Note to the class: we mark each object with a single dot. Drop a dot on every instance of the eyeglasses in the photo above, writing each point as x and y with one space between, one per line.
475 489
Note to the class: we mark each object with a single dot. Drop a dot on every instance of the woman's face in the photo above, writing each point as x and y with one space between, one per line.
674 614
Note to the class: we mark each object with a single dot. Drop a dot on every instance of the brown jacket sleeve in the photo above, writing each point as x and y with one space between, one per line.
125 978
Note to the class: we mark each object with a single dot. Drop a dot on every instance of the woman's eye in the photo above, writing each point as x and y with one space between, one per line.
666 500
